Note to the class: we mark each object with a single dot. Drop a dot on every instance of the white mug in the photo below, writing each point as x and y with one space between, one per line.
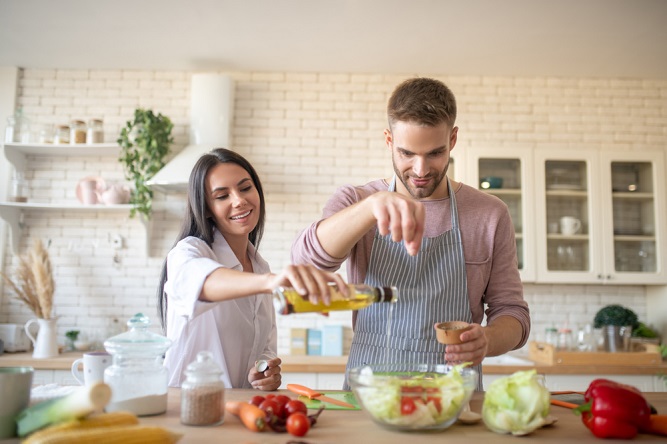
569 225
94 364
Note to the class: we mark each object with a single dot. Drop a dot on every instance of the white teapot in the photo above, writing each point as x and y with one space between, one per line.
115 194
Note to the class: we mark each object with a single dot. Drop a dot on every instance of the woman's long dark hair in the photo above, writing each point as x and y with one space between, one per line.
196 223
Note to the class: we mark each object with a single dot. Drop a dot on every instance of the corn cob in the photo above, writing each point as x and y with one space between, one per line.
126 434
94 421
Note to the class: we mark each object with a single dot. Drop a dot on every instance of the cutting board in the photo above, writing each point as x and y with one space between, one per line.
341 396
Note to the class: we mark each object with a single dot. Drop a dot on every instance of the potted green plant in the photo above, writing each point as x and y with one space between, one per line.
617 323
144 142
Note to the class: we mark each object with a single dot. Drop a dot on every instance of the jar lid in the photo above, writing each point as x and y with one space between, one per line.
95 121
203 368
78 122
138 339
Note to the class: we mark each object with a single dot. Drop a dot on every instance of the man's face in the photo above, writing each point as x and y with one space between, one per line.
420 155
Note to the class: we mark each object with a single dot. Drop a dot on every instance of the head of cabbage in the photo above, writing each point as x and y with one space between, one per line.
516 404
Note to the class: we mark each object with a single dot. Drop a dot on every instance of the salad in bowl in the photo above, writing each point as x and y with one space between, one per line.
413 397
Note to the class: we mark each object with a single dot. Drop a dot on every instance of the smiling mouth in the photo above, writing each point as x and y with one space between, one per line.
420 182
241 216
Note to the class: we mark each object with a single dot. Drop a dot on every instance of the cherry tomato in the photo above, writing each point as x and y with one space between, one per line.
282 401
256 400
436 402
270 396
294 406
298 424
270 406
407 405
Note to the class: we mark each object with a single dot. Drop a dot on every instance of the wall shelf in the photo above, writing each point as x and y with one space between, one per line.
17 152
13 214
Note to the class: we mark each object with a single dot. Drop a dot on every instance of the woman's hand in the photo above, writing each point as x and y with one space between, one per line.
310 282
269 379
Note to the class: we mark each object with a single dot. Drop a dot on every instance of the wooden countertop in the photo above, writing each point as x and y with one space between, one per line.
336 364
334 426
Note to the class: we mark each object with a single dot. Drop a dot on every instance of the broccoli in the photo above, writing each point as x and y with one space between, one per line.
615 315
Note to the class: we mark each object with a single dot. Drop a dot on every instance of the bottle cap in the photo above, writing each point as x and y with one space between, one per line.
280 302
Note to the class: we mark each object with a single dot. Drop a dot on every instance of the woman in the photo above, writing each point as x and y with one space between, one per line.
214 291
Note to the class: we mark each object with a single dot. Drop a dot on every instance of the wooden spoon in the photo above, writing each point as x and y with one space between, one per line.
467 416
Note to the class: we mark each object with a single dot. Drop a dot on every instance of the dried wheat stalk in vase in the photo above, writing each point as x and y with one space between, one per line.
43 278
36 286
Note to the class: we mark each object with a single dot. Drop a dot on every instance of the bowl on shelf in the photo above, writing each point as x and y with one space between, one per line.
413 397
491 182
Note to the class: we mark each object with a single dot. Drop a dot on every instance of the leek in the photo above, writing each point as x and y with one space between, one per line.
73 406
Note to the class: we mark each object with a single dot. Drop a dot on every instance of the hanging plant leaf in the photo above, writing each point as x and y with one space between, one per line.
144 143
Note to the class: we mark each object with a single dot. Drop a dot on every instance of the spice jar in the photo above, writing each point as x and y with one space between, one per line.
19 188
77 132
95 132
202 392
62 134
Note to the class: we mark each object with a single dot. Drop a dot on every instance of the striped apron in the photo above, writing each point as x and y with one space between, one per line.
432 287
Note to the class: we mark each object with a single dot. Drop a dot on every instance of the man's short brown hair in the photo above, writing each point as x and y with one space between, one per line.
422 100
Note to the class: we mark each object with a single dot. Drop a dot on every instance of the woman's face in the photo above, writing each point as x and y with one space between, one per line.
232 199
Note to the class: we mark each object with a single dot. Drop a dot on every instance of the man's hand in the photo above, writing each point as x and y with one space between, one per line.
401 216
269 379
473 349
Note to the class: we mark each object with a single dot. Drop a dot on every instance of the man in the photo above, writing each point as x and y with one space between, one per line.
448 247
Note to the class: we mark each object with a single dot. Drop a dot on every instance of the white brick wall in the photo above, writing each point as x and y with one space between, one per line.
306 134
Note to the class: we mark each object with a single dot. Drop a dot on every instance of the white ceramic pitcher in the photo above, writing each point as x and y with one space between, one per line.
46 344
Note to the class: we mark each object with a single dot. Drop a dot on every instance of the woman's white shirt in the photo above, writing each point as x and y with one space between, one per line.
238 332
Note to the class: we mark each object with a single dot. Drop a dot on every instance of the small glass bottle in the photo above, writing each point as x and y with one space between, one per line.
564 339
62 134
551 336
95 133
19 188
287 300
202 392
77 132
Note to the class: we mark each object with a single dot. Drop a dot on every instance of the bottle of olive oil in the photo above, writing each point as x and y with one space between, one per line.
287 300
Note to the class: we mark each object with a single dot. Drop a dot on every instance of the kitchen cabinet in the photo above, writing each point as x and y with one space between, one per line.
584 216
15 213
597 217
507 174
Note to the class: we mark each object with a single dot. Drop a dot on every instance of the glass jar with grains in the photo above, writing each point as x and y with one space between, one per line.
77 132
95 132
203 392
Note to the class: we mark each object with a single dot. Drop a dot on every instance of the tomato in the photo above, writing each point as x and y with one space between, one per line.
282 401
270 396
413 389
298 424
256 400
294 406
270 406
407 405
436 402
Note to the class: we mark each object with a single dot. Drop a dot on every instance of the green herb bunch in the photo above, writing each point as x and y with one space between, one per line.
145 143
615 315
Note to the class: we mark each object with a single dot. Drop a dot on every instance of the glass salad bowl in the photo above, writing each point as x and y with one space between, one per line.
413 397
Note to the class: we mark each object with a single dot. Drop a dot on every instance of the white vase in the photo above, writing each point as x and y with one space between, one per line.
46 344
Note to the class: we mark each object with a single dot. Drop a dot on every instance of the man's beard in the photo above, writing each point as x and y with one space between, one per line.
420 193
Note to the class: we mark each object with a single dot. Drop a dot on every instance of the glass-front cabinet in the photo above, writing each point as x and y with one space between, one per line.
636 246
506 174
596 217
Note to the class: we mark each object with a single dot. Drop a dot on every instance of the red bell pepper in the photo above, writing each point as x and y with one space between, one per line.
614 410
